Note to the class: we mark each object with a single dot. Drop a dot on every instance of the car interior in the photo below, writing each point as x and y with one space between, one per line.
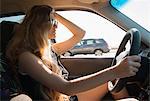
138 86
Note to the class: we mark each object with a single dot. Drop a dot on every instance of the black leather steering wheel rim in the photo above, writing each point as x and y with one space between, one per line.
135 41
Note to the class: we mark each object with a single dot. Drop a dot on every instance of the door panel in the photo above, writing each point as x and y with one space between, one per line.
83 66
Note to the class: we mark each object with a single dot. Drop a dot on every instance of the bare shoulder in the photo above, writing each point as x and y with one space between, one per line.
27 59
27 55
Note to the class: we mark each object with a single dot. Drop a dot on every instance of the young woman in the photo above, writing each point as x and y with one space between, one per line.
41 75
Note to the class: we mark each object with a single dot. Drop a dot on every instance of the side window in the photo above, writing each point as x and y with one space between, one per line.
98 30
98 41
83 42
89 42
13 18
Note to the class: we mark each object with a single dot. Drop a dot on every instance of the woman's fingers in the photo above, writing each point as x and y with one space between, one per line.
133 69
128 66
134 64
135 58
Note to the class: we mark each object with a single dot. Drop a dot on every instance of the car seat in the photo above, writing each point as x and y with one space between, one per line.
9 84
6 28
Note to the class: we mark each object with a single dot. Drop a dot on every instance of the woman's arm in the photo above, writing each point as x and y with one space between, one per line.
34 67
77 32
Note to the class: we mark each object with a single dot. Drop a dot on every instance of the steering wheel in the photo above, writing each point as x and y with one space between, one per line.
134 37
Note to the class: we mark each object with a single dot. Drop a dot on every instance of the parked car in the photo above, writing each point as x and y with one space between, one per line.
89 46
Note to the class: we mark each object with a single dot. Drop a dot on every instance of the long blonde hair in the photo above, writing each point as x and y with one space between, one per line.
32 35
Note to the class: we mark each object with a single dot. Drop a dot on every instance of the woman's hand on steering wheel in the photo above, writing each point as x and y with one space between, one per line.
126 61
128 66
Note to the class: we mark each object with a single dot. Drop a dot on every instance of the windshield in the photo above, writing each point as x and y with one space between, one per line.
137 10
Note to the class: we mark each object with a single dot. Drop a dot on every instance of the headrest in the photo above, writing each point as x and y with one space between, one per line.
6 31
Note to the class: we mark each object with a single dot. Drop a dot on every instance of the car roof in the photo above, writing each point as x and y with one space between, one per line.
11 6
